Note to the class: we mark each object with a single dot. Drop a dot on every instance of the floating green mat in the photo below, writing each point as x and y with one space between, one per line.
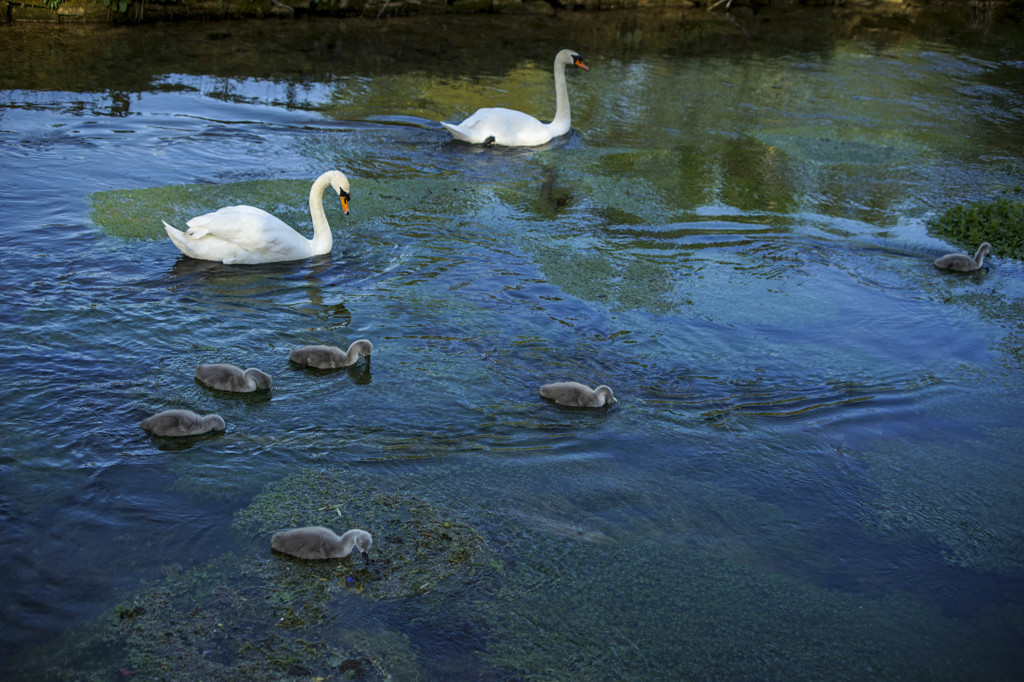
137 213
999 222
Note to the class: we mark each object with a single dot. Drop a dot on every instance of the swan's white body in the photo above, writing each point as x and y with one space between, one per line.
181 423
511 128
223 377
963 262
317 542
573 394
331 357
247 235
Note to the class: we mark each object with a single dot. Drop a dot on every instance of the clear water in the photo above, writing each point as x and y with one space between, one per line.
814 469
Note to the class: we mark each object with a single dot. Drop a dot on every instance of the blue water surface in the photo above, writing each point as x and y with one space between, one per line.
814 467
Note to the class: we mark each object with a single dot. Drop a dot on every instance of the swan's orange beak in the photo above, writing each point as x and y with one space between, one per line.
344 204
578 61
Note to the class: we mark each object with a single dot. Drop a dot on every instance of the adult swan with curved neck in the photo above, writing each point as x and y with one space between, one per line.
511 128
247 235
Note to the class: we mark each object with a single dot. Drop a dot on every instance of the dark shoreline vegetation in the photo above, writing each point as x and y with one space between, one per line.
976 12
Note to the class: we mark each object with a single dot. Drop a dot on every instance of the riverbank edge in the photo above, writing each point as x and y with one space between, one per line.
148 11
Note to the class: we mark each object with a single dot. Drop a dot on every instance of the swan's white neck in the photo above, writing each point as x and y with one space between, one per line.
322 240
562 121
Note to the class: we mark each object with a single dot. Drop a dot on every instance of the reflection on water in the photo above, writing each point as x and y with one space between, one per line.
813 468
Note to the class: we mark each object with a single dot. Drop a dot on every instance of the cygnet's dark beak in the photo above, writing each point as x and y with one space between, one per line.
366 558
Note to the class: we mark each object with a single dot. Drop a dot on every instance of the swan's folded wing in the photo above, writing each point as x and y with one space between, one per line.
505 126
246 227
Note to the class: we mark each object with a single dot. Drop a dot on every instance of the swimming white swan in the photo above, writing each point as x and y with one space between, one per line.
574 394
247 235
330 357
317 542
181 423
963 262
511 128
224 377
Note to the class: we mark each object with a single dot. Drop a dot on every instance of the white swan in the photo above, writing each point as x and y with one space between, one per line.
222 377
573 394
246 234
511 128
317 542
963 262
181 423
330 357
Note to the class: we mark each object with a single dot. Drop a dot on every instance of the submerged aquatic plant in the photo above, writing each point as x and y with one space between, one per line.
999 222
256 615
229 620
415 545
136 213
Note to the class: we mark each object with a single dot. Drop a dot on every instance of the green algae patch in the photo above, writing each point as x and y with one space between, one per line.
999 222
137 213
415 546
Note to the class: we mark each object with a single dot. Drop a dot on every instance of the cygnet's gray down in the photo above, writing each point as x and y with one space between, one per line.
963 262
573 394
317 542
330 357
181 423
223 377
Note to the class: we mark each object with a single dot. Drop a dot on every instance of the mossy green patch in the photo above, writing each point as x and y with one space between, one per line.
137 213
415 547
999 222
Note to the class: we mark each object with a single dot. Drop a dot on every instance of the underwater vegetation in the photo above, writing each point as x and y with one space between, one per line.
136 213
258 615
518 589
415 546
999 222
234 618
